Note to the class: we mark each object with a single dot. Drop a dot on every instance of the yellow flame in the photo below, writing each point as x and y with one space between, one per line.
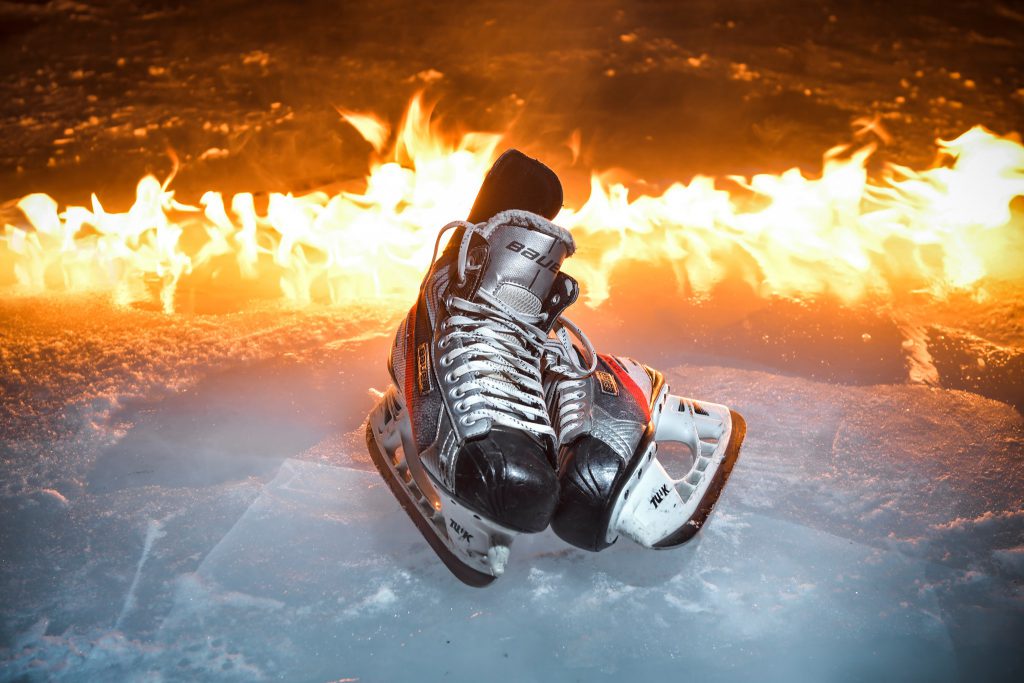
842 232
942 228
373 129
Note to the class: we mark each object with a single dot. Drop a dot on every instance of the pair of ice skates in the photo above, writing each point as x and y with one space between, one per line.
497 423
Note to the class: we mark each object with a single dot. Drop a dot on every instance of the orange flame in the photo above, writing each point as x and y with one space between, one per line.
943 228
844 232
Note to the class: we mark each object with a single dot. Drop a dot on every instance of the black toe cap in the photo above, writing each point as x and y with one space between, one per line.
589 472
505 476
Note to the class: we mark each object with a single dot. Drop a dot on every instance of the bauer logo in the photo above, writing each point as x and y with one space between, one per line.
659 496
461 532
534 255
608 384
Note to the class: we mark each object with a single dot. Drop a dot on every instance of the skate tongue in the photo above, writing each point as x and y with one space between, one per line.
516 181
524 253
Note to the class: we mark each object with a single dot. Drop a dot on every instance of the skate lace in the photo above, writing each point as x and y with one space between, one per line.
566 386
495 372
566 404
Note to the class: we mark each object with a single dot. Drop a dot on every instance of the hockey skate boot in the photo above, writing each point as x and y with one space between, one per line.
462 435
610 427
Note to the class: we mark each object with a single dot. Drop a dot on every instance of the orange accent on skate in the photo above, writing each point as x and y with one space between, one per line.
627 382
410 364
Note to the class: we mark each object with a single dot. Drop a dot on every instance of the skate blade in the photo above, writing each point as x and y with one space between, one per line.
473 548
658 510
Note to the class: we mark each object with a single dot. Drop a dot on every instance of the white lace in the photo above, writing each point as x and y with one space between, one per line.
499 357
561 359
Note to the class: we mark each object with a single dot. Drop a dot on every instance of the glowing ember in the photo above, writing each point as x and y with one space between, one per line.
845 233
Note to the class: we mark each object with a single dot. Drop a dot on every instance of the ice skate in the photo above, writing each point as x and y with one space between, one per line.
462 435
610 427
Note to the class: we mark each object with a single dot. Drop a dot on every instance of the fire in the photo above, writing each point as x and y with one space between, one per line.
843 232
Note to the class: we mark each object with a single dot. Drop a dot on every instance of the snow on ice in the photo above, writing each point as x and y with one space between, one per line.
220 520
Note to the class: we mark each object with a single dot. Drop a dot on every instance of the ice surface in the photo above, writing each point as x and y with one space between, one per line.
324 578
347 559
865 531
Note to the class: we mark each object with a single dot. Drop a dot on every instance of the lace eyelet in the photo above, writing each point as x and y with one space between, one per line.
466 422
445 362
450 377
456 393
460 406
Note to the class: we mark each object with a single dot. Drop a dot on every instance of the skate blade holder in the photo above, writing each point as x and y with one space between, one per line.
653 505
479 542
473 540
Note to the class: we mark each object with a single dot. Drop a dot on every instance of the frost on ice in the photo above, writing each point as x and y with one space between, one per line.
235 530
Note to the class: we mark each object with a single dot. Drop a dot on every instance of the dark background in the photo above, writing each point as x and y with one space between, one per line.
93 94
